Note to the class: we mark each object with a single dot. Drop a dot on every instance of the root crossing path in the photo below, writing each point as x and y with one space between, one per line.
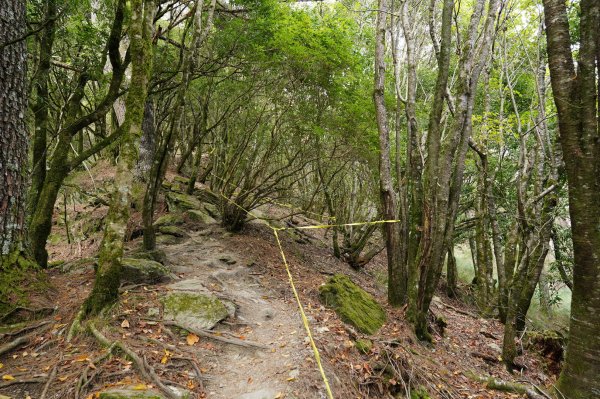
207 264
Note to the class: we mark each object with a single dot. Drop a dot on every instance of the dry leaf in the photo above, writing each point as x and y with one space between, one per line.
192 339
64 378
82 358
125 324
7 377
279 395
166 357
140 387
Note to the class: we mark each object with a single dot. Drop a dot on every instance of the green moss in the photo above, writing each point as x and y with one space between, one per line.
419 393
18 274
194 309
354 305
172 230
199 216
179 201
170 219
131 393
364 345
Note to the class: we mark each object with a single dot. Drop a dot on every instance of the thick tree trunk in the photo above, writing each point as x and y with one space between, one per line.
147 143
576 98
13 134
106 284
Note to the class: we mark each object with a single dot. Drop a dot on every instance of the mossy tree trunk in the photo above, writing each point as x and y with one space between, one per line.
13 143
44 193
576 96
106 284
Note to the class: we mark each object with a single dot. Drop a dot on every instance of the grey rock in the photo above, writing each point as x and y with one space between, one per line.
144 271
193 309
265 393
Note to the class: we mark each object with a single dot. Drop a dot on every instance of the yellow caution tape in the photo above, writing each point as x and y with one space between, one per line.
291 279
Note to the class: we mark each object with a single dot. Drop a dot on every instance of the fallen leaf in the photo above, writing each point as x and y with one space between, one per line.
192 339
166 357
140 387
7 377
64 378
82 358
125 324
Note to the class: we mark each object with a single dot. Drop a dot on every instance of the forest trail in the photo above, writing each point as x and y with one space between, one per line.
205 264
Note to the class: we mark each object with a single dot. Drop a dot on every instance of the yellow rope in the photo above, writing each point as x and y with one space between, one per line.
304 318
291 279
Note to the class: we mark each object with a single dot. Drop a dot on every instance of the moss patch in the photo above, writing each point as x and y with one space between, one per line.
194 309
199 216
354 305
364 345
182 202
170 219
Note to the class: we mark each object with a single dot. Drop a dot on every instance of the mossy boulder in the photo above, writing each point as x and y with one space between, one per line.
167 239
170 219
364 346
353 305
144 271
130 393
182 202
172 231
199 216
193 309
211 209
157 255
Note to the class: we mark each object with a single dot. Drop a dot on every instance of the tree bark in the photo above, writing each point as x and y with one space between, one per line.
108 274
397 272
576 98
13 138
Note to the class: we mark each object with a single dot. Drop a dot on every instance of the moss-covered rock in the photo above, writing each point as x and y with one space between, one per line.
79 266
199 216
173 231
182 202
181 179
354 305
363 345
167 239
169 219
211 209
157 255
144 271
195 310
130 393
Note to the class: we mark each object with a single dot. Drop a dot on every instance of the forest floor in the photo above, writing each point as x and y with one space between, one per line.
268 354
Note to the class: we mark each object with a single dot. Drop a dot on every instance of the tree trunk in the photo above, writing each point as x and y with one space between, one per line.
108 274
575 95
13 138
147 143
397 272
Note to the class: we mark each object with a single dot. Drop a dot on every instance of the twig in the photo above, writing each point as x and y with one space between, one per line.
212 335
49 382
83 380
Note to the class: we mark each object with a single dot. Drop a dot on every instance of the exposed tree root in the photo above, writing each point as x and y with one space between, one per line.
141 364
25 329
22 340
212 335
37 379
83 380
505 386
76 325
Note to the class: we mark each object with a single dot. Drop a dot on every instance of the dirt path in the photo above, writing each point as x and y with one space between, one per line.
205 264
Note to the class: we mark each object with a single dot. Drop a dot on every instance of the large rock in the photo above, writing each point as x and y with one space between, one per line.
142 392
169 219
182 202
173 231
144 271
193 309
196 215
353 305
130 393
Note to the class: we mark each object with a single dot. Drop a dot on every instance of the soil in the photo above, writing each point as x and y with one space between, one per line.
247 269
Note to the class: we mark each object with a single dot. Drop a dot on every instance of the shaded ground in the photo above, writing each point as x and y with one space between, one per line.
246 269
